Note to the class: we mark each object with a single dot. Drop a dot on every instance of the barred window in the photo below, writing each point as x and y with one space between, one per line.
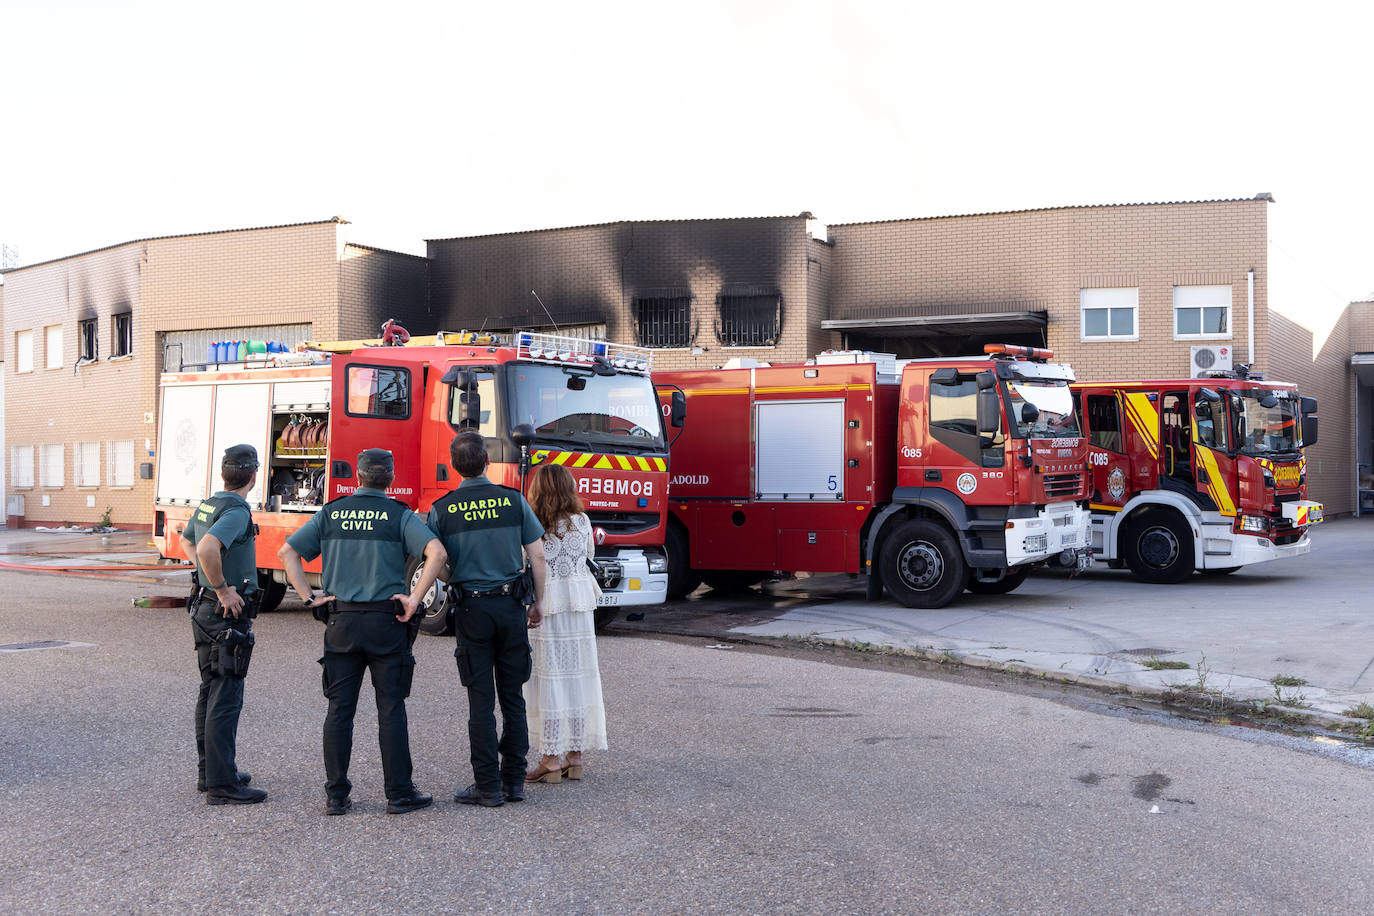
122 334
664 321
86 340
749 319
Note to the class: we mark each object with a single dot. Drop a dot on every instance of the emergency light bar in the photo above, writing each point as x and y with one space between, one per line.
560 351
1018 352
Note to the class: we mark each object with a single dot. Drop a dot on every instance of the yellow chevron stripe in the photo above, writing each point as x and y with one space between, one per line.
562 457
583 459
1146 419
622 461
643 465
539 456
602 462
659 464
1216 487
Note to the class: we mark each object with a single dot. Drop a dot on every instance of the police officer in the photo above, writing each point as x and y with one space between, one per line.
483 527
220 535
365 539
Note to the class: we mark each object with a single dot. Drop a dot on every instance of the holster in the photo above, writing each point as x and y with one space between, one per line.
321 612
231 652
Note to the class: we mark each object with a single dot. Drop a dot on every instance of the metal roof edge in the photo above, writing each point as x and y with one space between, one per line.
622 222
1158 203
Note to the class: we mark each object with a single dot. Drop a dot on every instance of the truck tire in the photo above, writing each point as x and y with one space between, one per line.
435 619
1008 583
922 564
272 592
604 616
682 578
1159 546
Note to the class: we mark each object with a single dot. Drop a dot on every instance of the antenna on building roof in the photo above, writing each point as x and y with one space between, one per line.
545 308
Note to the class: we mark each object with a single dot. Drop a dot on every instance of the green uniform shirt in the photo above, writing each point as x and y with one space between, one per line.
484 527
365 539
228 517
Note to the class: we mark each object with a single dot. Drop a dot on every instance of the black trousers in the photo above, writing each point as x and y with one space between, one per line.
494 661
380 644
219 702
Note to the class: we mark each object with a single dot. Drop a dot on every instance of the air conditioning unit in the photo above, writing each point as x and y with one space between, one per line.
1209 359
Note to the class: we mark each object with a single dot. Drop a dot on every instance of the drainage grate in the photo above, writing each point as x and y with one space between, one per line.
39 644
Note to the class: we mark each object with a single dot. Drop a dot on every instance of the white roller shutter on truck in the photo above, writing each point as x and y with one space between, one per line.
242 417
183 444
799 450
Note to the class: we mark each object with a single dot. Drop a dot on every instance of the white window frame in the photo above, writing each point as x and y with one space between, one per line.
21 467
52 475
52 341
23 351
1107 299
112 447
1199 298
86 467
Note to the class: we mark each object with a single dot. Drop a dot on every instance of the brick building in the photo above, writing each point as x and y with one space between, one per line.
86 337
1120 291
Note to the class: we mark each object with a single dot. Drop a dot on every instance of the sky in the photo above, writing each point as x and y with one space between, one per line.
418 120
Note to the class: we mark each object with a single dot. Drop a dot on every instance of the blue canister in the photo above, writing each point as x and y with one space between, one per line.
212 353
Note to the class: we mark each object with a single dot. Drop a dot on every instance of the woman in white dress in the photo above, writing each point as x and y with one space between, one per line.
563 695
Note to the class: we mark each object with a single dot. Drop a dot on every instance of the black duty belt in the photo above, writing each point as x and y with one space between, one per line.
365 607
505 588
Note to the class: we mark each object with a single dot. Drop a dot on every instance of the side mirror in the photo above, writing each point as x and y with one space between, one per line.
462 379
1307 406
677 409
522 435
989 411
1268 402
1207 394
1309 429
1029 412
944 377
986 380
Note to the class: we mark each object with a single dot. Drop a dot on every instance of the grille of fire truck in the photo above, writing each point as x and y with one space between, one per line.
623 522
560 351
1062 484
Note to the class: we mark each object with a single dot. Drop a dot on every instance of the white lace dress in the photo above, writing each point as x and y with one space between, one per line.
563 695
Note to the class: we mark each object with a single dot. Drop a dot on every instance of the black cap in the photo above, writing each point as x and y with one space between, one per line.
240 456
372 460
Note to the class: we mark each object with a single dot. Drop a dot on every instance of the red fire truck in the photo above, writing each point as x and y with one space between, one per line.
589 406
931 476
1203 473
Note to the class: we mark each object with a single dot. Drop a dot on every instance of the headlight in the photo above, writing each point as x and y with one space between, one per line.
657 563
1037 543
1254 523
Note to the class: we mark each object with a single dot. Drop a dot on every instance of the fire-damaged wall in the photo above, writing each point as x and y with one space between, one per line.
698 291
376 284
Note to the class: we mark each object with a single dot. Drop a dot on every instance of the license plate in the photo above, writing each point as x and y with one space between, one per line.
608 600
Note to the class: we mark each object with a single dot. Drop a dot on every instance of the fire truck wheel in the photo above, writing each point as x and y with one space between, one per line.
435 619
1008 583
1159 547
272 593
922 564
682 578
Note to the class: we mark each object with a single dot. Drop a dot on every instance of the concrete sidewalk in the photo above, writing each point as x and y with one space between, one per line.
1310 617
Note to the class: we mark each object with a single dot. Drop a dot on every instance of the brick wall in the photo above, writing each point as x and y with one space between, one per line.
590 275
1041 260
217 280
375 285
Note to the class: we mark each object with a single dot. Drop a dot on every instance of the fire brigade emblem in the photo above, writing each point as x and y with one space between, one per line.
966 483
1116 485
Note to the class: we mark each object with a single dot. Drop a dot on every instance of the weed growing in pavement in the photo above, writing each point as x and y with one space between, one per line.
1159 664
1363 711
1295 700
1287 680
105 521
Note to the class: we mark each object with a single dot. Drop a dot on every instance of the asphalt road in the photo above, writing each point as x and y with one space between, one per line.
736 782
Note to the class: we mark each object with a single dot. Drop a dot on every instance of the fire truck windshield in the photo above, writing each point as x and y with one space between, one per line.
592 410
1266 430
1053 414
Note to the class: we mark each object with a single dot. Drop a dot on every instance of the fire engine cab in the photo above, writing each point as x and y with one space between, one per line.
587 405
929 476
1199 474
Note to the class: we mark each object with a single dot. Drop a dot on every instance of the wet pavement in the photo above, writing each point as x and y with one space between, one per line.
1309 619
